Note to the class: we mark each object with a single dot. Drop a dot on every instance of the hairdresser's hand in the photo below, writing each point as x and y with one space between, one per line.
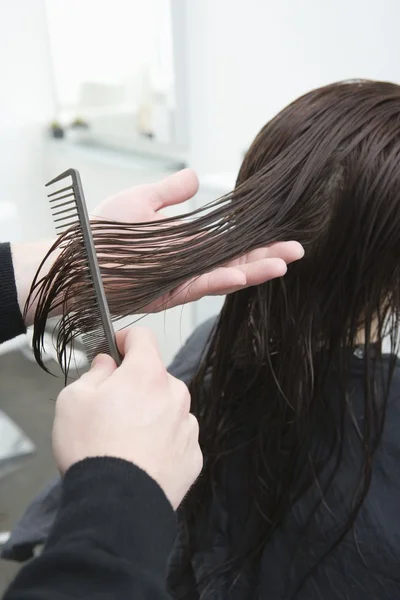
137 412
145 203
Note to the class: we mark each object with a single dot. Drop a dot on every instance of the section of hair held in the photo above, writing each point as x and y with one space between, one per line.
141 262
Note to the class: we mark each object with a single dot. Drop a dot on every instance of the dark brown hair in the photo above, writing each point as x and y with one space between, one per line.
329 165
324 172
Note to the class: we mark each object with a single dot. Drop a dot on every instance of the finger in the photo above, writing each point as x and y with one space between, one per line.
176 188
225 280
101 369
256 273
138 346
287 251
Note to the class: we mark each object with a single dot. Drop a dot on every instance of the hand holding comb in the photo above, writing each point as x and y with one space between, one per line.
68 207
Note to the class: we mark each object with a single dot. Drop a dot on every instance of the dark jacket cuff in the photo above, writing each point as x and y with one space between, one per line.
121 507
11 321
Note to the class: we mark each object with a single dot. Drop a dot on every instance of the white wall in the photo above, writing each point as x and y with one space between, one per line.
246 59
24 63
26 103
114 42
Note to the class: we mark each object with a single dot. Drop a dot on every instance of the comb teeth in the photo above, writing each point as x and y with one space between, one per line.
94 341
63 207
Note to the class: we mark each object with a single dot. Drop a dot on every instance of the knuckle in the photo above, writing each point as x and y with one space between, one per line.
197 462
64 400
73 392
61 398
144 335
68 391
193 427
196 455
159 372
142 346
182 397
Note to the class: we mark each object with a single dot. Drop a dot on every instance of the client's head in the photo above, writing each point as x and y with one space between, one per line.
329 163
326 172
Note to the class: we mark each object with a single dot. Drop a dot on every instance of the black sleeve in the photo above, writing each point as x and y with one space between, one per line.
11 321
112 538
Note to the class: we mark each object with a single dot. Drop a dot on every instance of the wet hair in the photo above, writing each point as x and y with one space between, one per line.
325 172
329 164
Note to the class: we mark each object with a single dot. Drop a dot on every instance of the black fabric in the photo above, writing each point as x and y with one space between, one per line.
111 539
365 565
11 321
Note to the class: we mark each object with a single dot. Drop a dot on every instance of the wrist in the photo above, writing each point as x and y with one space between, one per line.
27 258
121 506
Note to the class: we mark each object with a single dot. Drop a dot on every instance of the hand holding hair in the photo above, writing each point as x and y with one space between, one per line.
145 203
150 263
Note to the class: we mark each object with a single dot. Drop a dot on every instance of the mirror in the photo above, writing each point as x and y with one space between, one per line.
113 73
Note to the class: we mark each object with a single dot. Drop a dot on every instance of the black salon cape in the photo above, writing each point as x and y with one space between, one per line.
114 528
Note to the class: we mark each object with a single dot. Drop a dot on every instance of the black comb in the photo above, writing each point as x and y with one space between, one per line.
68 207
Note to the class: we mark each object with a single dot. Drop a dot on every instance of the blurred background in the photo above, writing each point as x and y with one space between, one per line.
128 91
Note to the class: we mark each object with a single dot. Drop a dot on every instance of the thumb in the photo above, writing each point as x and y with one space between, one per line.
101 369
